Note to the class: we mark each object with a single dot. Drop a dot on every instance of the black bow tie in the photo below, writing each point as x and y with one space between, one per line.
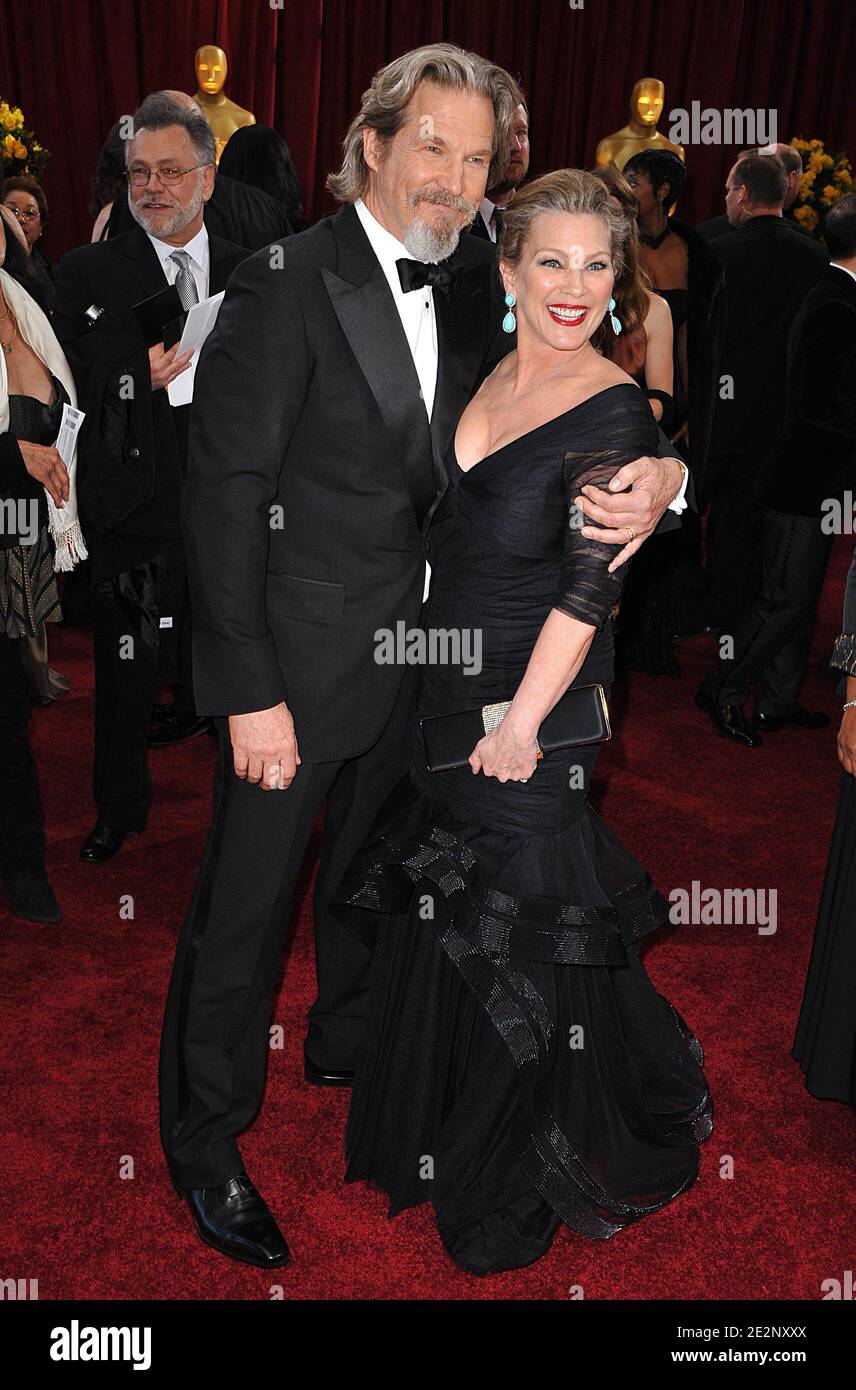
414 275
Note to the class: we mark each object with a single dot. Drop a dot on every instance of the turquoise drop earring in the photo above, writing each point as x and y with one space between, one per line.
614 319
509 323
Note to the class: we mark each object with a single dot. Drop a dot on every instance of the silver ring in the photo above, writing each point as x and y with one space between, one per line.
524 779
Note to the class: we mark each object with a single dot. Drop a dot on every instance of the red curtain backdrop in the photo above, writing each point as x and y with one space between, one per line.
302 65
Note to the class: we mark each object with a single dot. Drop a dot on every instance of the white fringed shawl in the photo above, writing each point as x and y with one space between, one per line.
34 327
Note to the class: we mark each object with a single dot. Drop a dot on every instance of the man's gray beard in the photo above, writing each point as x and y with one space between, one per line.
179 220
428 244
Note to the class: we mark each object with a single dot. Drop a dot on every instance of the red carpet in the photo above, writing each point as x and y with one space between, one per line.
94 1213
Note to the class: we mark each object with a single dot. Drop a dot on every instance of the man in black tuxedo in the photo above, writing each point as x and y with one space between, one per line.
769 270
235 211
134 450
487 222
791 162
326 399
805 479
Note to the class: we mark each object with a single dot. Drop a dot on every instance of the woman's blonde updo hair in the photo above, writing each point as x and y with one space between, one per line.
576 191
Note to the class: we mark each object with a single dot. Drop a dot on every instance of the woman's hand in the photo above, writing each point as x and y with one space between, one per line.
43 463
505 754
847 741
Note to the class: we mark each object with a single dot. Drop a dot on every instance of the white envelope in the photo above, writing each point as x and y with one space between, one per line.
201 318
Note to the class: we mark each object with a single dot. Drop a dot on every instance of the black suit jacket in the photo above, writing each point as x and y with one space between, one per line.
235 212
131 456
714 227
769 269
314 473
718 226
815 456
478 228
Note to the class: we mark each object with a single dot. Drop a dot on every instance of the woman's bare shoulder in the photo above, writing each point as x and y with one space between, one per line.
612 375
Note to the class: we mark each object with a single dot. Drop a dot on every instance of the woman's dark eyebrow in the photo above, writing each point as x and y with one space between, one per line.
553 252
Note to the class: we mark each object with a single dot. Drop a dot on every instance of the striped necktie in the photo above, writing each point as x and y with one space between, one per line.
184 281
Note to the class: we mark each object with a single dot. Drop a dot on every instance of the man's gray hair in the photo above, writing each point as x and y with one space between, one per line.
386 101
159 110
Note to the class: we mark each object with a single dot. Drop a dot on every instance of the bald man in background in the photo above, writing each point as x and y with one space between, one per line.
718 226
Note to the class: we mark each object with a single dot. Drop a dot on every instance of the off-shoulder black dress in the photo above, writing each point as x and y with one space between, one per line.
519 1069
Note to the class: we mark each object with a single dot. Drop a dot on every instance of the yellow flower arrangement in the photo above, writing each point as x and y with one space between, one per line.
22 153
825 179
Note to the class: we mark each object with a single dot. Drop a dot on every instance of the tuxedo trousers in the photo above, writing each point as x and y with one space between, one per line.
216 1033
22 830
142 636
772 641
733 540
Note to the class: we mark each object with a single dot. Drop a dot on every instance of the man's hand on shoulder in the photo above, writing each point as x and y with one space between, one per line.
264 747
655 484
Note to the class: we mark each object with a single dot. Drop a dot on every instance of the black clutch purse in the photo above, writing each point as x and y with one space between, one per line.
581 716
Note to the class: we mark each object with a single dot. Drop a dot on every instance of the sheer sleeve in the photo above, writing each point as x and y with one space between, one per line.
844 651
586 590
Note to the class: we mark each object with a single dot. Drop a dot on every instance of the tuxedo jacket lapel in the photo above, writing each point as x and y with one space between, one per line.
368 317
462 317
220 265
142 262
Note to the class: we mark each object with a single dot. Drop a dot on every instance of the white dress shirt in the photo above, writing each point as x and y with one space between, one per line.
845 268
485 212
679 502
199 252
415 309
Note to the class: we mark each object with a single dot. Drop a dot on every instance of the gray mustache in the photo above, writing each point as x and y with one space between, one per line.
444 200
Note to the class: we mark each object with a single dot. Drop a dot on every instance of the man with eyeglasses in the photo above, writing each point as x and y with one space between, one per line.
134 451
237 211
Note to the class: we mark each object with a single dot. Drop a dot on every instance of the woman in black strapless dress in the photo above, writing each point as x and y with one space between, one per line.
29 596
519 1069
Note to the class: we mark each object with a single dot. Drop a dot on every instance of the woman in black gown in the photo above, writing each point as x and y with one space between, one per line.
825 1042
32 397
519 1069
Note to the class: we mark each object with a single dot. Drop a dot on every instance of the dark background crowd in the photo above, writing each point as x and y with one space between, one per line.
301 68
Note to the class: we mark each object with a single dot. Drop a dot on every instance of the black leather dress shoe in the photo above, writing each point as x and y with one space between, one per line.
728 720
29 894
324 1076
178 728
102 843
234 1219
797 719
